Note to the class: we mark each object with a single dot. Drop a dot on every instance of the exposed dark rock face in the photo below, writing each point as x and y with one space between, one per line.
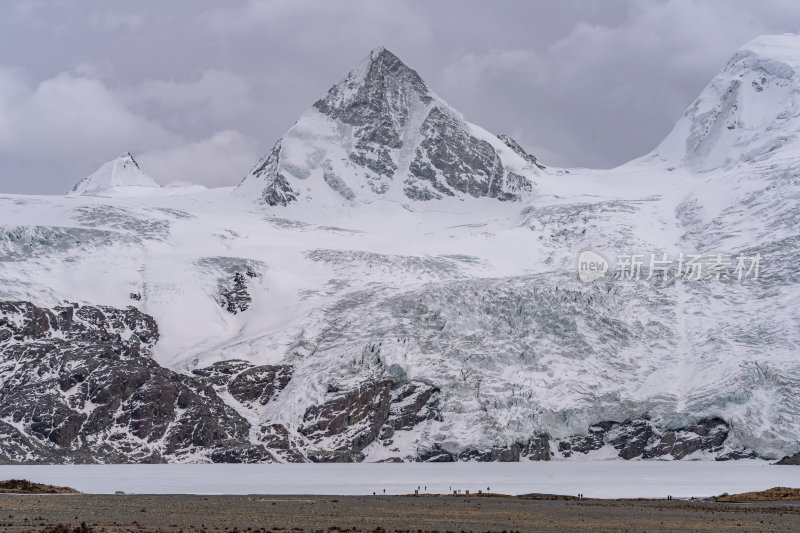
790 460
260 384
584 444
242 453
514 145
708 434
641 439
77 385
277 190
630 439
221 373
537 449
503 455
253 387
282 443
412 404
351 420
449 159
735 455
378 106
247 384
436 454
234 297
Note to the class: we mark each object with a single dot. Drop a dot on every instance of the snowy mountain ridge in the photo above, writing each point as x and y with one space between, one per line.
431 313
747 112
123 171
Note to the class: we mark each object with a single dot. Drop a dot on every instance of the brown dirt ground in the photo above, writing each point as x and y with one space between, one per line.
339 514
23 486
775 494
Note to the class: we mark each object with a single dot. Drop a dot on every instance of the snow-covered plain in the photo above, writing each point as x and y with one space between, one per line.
601 479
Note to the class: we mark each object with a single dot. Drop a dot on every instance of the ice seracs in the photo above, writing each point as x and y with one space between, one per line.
123 171
382 133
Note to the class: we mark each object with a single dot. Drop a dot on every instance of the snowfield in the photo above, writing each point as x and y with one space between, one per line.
592 479
357 280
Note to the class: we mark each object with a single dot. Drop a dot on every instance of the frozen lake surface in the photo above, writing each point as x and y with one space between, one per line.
607 479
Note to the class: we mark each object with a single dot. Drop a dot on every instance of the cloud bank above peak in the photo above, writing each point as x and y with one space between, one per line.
198 90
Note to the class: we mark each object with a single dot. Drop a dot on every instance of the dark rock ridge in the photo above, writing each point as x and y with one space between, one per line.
640 439
394 123
514 145
277 190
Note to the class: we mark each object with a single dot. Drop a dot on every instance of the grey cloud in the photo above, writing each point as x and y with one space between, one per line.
198 89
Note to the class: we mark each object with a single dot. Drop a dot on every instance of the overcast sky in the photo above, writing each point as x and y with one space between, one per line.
197 90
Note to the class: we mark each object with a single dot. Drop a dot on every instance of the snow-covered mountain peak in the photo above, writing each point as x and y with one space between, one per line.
123 171
381 133
747 112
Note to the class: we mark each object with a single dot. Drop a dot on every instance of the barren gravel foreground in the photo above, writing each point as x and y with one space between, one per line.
138 513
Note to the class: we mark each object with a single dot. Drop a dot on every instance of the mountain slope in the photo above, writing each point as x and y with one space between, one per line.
329 326
750 110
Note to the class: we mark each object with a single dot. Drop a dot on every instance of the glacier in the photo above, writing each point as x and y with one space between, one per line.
393 283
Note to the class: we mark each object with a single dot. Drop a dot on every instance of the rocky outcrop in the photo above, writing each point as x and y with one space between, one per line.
594 440
790 460
503 455
641 439
234 296
412 404
435 454
349 422
450 160
78 385
536 448
706 435
249 385
282 443
276 189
